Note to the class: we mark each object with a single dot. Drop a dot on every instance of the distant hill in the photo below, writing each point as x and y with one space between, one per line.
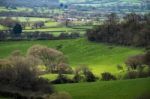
84 1
29 3
34 3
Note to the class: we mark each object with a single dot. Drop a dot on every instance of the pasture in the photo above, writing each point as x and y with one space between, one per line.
30 19
2 27
99 57
50 26
17 9
123 89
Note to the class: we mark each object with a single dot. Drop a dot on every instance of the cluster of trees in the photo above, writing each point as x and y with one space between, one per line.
20 74
54 60
38 25
63 6
133 30
16 27
138 65
81 74
84 74
8 22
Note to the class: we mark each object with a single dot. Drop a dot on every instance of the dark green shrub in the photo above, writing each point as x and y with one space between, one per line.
89 76
131 75
20 76
7 75
108 76
17 30
61 79
42 85
78 78
135 62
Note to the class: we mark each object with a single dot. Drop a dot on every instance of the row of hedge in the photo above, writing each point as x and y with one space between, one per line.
7 35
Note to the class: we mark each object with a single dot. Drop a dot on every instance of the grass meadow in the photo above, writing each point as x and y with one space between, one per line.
123 89
101 57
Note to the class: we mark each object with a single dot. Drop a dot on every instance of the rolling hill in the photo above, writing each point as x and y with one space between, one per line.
99 57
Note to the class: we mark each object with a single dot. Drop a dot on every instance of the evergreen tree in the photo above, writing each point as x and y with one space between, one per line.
17 29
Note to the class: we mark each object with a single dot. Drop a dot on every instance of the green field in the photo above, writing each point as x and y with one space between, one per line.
30 19
66 29
51 26
56 31
18 9
99 57
2 27
125 89
121 89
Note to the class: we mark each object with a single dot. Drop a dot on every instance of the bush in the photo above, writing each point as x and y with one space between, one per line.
120 67
131 75
74 35
42 85
61 79
142 74
89 76
148 71
143 71
63 36
51 58
108 76
2 35
78 78
7 75
134 62
64 68
20 74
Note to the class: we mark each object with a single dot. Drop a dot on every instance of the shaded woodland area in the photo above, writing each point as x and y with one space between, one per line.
133 30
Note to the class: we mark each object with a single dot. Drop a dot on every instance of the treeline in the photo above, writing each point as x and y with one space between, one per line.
15 31
133 30
9 35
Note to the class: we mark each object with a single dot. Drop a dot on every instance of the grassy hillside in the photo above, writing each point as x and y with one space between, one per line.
30 19
2 27
99 57
127 89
